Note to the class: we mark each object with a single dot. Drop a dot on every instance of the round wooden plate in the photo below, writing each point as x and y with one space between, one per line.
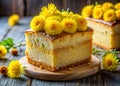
69 74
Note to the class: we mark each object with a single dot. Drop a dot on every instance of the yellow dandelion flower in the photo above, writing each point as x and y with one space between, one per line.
37 23
13 19
117 12
65 14
110 62
54 18
15 69
106 6
53 27
97 6
109 15
87 11
69 25
3 51
49 10
81 22
117 5
97 13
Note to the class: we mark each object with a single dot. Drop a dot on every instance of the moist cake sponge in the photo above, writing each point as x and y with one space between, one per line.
106 34
60 51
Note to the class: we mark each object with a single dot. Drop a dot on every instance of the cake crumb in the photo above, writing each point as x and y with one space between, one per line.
70 69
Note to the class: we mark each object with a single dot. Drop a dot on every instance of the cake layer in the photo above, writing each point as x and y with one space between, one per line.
62 56
106 41
106 35
40 39
45 66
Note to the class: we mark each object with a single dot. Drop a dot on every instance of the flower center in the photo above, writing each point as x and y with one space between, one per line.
0 52
37 23
69 25
109 15
109 62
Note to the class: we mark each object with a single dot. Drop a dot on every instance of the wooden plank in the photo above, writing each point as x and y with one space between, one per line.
75 5
16 33
111 78
33 6
8 7
3 27
102 1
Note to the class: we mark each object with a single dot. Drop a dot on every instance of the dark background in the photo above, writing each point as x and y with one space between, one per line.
32 7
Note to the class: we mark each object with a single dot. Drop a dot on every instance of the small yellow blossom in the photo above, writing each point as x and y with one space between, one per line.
110 62
37 23
81 22
117 6
65 14
3 51
15 69
69 25
87 11
49 10
97 6
97 13
106 6
54 18
53 27
109 15
117 12
13 19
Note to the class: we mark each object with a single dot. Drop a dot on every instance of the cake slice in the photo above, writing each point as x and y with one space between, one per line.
106 34
104 19
58 52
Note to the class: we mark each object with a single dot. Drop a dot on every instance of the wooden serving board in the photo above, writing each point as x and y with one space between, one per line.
69 74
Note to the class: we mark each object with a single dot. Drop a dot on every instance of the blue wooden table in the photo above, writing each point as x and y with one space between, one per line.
102 78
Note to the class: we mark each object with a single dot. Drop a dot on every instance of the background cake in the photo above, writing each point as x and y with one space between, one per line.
59 40
104 20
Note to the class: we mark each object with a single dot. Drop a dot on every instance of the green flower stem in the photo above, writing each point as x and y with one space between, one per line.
104 51
19 44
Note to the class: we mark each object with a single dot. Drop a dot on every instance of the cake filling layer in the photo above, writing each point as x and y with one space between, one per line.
62 56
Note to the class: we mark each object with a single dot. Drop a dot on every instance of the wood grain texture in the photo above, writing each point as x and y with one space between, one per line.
102 1
75 5
8 7
76 72
33 6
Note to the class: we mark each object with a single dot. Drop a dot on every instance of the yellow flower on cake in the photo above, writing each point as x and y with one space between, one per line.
15 69
53 27
81 22
13 19
109 15
97 6
65 14
54 18
50 10
110 62
69 25
37 23
87 11
3 51
97 13
106 6
117 12
117 6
